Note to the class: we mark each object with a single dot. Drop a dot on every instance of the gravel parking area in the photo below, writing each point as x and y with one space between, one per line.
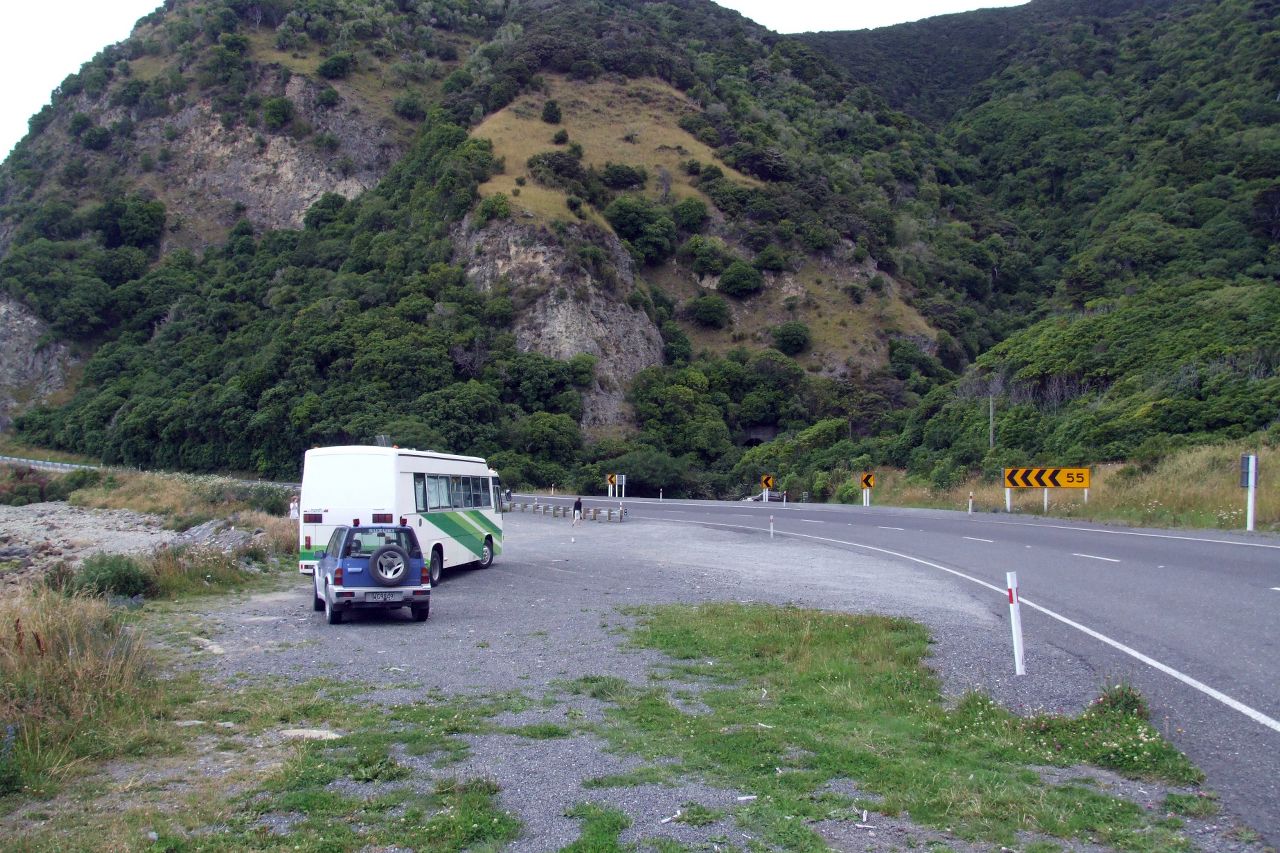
547 612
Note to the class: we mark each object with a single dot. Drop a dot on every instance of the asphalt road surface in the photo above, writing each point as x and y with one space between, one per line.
1191 618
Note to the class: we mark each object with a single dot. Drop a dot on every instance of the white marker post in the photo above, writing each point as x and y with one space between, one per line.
659 494
1015 622
1046 501
971 503
771 527
866 497
1008 499
1249 480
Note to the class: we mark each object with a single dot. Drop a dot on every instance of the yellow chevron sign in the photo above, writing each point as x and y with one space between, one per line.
868 480
1046 478
766 482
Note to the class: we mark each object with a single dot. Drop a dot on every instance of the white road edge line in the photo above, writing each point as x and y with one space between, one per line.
889 528
1256 716
1092 557
812 521
978 539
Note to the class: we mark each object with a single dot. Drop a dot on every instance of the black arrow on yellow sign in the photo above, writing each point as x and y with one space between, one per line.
1046 478
868 480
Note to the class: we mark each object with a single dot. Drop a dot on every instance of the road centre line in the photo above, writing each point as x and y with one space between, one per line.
890 528
812 521
1092 557
977 539
1256 716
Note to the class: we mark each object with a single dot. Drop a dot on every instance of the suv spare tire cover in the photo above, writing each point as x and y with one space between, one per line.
388 565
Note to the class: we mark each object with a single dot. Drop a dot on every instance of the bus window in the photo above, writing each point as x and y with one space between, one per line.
460 498
437 492
483 491
420 492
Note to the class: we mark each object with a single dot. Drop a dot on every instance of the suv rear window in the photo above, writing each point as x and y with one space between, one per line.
365 540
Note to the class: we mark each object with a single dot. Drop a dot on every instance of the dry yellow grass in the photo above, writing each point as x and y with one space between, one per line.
632 122
280 535
183 498
73 682
1196 488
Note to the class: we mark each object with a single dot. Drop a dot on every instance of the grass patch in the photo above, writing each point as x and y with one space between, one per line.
798 698
601 827
696 814
75 685
541 731
649 774
1192 805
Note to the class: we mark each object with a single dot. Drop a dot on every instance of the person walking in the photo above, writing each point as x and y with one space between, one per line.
577 511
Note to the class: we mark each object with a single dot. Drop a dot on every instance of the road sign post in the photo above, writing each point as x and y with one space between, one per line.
766 483
1249 481
1008 499
1015 623
868 483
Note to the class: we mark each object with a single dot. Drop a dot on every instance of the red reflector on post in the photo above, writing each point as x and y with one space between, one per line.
313 518
382 518
404 522
355 522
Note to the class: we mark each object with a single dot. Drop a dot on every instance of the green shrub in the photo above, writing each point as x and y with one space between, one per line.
741 280
791 337
114 574
561 137
709 310
551 112
337 66
409 107
493 207
96 138
277 113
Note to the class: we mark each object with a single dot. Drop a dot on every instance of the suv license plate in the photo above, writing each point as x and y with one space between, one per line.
382 596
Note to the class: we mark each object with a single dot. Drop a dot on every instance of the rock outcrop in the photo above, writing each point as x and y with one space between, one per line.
31 367
568 302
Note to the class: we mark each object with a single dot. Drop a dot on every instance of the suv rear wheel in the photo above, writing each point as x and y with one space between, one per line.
388 565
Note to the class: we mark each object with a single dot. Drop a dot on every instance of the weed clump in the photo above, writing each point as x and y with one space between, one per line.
114 574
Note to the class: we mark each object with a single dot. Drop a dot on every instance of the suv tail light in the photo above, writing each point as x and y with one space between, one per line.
337 576
425 578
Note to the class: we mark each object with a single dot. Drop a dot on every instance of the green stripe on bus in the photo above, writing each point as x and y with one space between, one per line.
455 526
308 554
483 521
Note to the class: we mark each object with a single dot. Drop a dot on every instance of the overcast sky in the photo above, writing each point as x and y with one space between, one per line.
42 42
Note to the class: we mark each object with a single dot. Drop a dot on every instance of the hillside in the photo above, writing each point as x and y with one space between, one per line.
472 228
935 67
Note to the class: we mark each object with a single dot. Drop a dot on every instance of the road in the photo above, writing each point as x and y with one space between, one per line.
1192 619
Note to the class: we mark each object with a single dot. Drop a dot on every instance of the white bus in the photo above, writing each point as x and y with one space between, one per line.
453 503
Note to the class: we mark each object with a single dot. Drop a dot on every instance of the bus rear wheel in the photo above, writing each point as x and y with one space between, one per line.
437 567
486 554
